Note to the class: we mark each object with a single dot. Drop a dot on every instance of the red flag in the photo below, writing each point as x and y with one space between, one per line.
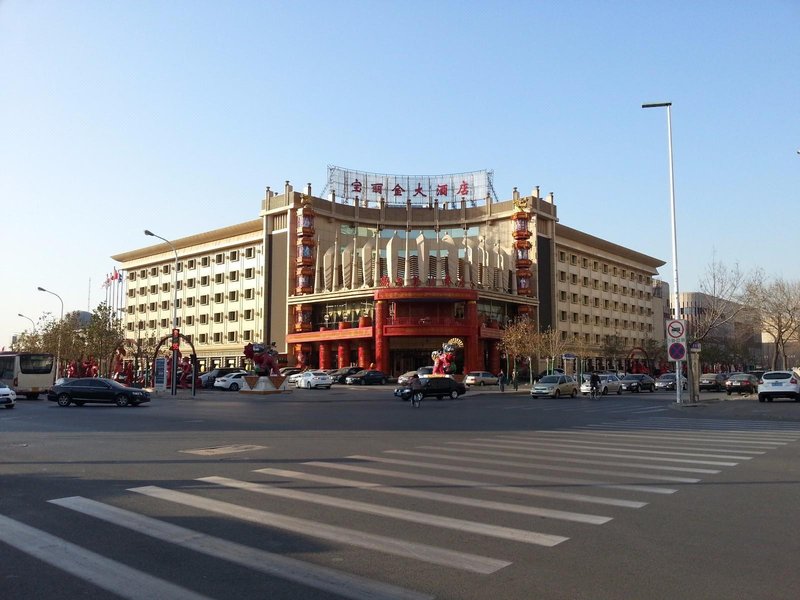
115 276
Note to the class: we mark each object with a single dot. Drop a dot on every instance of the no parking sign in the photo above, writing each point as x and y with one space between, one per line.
676 339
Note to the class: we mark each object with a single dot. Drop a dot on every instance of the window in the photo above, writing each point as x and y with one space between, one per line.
574 317
178 303
607 322
131 293
573 259
562 275
219 258
616 305
131 309
152 306
217 338
624 273
151 324
595 283
249 273
249 252
562 295
219 278
164 304
584 262
166 269
594 265
190 320
605 304
249 294
163 322
586 319
204 280
233 276
247 335
605 286
129 326
596 302
203 300
596 338
142 307
563 315
586 281
248 315
153 271
218 297
616 288
203 319
164 287
233 316
191 263
562 256
575 298
190 301
203 338
153 289
218 317
233 296
234 255
574 279
205 261
605 268
142 291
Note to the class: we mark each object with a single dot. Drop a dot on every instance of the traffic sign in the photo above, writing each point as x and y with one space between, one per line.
676 330
677 351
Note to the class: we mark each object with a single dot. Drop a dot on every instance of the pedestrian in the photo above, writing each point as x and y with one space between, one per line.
501 380
514 380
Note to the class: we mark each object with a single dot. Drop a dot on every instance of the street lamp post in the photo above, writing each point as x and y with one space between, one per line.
676 295
60 321
174 382
29 319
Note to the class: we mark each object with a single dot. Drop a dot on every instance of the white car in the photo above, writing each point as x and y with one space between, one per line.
232 382
480 378
313 379
608 384
555 386
8 397
293 377
779 384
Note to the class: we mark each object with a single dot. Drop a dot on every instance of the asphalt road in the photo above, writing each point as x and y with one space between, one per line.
351 493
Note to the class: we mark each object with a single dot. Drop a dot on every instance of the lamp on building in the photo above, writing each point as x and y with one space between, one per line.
174 371
676 302
58 338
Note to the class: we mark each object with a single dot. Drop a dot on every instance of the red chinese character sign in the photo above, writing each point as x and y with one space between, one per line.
368 189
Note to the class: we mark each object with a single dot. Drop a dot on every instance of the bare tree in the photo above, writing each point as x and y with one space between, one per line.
777 305
550 345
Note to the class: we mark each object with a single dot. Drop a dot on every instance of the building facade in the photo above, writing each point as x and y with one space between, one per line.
341 281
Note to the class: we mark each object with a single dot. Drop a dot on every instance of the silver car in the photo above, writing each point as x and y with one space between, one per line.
555 386
609 384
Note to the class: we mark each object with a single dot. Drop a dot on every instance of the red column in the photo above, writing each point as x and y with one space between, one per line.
364 354
381 343
324 355
343 353
471 350
494 357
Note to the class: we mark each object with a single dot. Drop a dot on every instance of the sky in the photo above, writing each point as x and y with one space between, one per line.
116 117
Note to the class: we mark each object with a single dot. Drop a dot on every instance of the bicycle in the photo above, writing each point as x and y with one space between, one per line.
594 393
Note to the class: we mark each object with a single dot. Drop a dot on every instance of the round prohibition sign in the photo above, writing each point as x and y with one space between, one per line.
677 351
675 329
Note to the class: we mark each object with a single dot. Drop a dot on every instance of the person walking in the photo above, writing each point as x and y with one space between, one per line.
514 380
501 380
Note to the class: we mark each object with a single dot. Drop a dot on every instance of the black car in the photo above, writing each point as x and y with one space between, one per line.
340 375
712 381
426 387
96 389
741 383
638 382
367 377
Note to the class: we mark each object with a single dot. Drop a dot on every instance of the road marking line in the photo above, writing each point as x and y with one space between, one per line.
340 535
507 533
107 574
308 574
531 444
475 484
602 443
438 497
214 450
596 453
525 476
695 440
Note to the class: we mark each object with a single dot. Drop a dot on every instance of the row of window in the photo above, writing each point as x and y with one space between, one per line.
189 320
606 304
191 282
606 321
216 338
205 261
587 337
596 266
203 300
607 287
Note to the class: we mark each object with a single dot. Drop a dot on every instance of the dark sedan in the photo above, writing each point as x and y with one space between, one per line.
712 381
96 389
367 377
341 375
426 387
638 382
741 383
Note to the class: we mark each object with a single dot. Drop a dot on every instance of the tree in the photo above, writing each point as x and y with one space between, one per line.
104 335
520 339
549 344
777 306
613 347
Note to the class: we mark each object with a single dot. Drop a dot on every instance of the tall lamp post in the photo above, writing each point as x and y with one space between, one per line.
676 296
58 339
29 319
174 377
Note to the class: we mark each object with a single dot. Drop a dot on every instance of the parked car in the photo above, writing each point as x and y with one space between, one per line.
638 382
8 397
422 371
712 381
480 378
667 381
555 386
367 377
314 379
207 379
341 375
292 379
556 371
406 378
81 390
232 382
741 383
608 384
426 387
779 384
757 374
286 371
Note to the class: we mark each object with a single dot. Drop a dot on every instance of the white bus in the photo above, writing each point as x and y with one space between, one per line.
28 373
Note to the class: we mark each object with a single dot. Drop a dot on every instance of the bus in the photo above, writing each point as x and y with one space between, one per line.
28 373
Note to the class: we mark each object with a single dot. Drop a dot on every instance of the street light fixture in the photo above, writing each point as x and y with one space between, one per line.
60 321
174 382
676 294
29 319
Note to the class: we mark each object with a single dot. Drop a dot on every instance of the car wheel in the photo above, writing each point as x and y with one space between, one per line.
79 403
761 398
10 406
234 387
481 384
604 392
383 381
728 393
453 395
63 400
121 400
557 393
573 393
619 391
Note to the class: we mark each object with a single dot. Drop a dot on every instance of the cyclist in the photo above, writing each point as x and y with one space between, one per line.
594 384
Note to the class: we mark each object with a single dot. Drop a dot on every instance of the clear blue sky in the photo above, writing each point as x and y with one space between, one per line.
118 116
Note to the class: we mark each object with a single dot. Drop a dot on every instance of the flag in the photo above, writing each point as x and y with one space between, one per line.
115 276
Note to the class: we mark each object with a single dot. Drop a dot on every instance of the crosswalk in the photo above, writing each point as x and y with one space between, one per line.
433 503
605 405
